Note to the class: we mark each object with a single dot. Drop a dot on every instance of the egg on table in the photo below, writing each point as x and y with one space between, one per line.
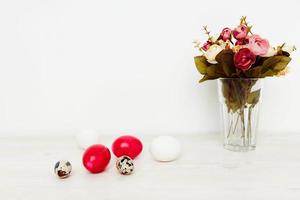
165 148
63 169
125 165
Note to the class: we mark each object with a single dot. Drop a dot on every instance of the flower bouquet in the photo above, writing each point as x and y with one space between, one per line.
240 60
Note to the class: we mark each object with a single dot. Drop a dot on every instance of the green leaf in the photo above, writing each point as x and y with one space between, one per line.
201 64
259 60
254 72
215 71
253 97
225 59
206 78
269 67
268 73
276 63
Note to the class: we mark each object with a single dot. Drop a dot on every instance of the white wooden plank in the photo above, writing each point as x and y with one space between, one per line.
204 171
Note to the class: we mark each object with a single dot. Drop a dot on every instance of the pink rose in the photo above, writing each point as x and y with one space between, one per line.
257 45
244 59
206 45
225 34
240 32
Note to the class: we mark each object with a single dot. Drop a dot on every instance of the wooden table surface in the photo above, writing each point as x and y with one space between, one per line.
204 171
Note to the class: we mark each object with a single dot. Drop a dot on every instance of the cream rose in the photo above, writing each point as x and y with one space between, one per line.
214 38
272 51
212 52
288 48
223 44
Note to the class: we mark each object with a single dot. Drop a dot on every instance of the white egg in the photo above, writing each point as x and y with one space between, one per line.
86 138
165 148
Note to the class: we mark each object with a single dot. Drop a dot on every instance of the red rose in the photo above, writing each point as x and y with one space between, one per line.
226 34
240 32
242 41
244 59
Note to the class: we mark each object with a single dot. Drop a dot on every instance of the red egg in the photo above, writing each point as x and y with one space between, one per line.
96 158
127 145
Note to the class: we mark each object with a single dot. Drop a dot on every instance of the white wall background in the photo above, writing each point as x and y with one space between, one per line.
128 65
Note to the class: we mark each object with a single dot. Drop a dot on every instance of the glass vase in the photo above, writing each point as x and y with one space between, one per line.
240 99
